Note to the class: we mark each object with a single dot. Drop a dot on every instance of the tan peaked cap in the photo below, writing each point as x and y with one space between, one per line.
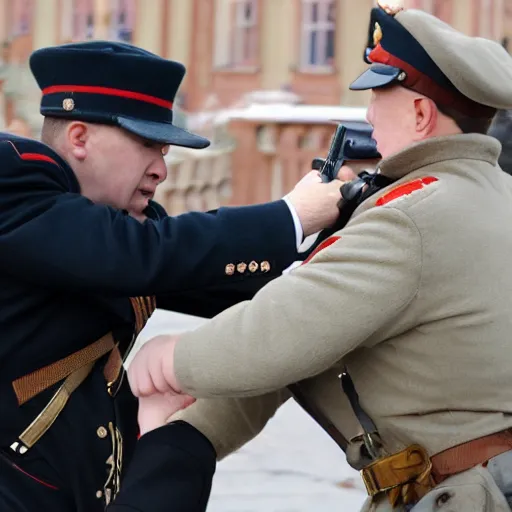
479 68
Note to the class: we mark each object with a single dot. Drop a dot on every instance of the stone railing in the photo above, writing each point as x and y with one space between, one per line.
196 180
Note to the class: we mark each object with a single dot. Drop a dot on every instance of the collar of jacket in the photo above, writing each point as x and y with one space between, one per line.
439 149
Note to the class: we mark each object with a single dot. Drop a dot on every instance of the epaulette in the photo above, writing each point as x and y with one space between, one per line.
405 189
31 150
326 243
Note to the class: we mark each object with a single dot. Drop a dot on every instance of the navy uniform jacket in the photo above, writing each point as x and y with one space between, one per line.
67 270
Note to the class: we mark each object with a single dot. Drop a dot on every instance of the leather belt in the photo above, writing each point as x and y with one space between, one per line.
408 475
31 385
470 454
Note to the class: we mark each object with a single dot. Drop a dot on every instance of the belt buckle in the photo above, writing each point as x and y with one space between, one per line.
371 445
372 487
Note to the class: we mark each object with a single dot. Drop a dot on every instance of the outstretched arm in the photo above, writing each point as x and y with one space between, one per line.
172 469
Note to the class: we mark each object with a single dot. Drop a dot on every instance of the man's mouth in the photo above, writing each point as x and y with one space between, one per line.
147 193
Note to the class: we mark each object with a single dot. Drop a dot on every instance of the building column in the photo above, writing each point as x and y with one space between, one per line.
45 23
102 18
148 30
351 35
222 30
278 25
499 20
180 30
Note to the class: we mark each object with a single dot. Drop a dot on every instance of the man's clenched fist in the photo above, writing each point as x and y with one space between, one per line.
152 369
315 202
155 410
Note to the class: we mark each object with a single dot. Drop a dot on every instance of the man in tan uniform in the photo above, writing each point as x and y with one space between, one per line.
409 301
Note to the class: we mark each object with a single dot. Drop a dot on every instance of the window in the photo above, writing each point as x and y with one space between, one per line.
22 17
244 33
318 33
83 19
123 20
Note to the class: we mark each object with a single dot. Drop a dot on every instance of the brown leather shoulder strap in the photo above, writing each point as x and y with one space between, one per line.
31 385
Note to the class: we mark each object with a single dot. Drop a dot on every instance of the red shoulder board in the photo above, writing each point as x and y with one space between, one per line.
326 243
33 157
405 189
38 157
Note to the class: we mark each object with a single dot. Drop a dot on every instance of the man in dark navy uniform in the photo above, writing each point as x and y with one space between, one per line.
86 256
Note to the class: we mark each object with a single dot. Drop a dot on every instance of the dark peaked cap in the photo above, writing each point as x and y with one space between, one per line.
112 83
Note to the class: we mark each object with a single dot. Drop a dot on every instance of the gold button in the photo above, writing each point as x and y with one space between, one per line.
241 267
265 266
230 269
102 432
68 104
253 266
99 494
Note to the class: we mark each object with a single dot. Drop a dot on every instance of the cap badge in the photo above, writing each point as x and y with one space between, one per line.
391 8
377 34
68 104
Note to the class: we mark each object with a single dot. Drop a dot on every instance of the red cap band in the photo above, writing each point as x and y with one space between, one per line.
109 91
421 83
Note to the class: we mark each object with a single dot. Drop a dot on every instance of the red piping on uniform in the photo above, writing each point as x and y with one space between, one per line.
405 189
46 484
108 91
37 156
323 245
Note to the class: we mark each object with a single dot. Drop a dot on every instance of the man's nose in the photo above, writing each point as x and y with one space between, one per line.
158 171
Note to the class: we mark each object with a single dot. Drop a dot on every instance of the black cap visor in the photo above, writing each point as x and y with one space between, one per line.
377 75
166 133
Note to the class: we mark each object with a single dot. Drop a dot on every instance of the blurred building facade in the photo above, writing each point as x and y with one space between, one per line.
238 53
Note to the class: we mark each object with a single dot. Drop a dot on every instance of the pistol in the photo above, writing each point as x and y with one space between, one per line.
346 144
350 144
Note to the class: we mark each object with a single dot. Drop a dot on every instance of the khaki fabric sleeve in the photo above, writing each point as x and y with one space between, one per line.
302 323
229 423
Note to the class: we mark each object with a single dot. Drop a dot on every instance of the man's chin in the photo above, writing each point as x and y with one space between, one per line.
141 217
137 211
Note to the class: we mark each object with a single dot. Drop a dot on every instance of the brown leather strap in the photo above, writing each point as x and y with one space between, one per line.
31 385
112 371
143 308
468 455
113 366
408 475
49 414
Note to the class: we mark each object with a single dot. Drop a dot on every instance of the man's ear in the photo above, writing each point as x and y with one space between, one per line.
77 134
426 117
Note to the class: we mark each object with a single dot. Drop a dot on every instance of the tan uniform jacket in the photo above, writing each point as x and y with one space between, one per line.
414 296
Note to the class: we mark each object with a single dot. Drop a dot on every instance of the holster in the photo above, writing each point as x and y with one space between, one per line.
405 476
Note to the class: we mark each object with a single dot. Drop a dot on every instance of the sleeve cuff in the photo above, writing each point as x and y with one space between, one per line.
299 233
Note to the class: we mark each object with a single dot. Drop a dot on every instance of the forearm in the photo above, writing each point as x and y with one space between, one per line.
172 466
229 423
84 247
